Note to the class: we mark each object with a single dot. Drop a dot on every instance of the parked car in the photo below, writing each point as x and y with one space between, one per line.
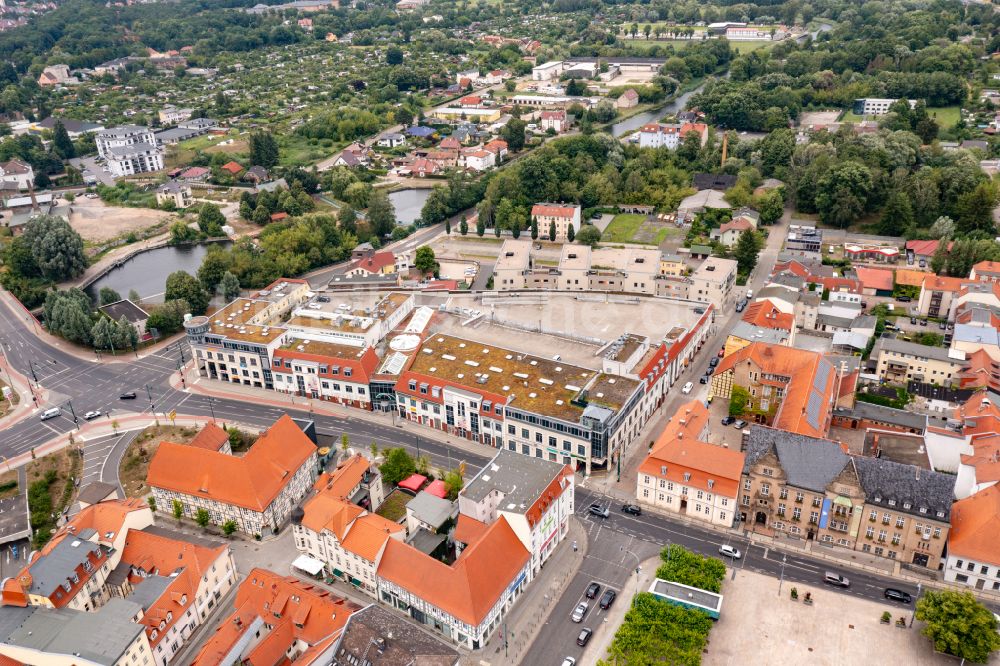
91 415
580 612
726 420
598 509
703 379
699 310
569 661
710 370
592 590
835 579
607 599
923 322
893 594
634 509
722 352
730 551
913 320
129 395
687 388
943 326
584 636
714 362
739 424
904 299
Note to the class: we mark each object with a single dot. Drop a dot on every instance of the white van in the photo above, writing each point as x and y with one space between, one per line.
687 388
50 413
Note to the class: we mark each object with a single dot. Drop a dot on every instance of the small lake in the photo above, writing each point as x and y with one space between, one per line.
408 204
147 272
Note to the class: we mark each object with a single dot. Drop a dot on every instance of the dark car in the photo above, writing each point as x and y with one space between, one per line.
726 420
129 395
592 590
923 322
709 370
714 362
913 320
904 299
699 310
943 326
607 599
703 379
584 636
634 509
898 595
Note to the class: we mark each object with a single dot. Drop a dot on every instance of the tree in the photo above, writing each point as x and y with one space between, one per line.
480 226
181 232
746 251
381 214
738 401
67 313
108 295
958 625
61 143
424 260
842 193
398 465
211 219
943 227
897 216
447 226
347 218
229 527
463 227
515 228
230 286
534 228
570 233
513 134
57 249
151 502
394 55
178 509
213 266
201 517
770 205
974 210
263 149
184 286
454 481
687 568
552 230
589 235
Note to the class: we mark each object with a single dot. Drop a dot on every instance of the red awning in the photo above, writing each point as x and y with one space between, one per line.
414 482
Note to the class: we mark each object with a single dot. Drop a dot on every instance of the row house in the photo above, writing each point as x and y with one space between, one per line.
507 399
791 389
974 541
257 491
899 362
684 474
324 370
811 488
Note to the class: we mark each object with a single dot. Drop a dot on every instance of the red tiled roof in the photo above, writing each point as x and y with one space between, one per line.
376 262
195 172
924 248
766 315
987 267
975 527
211 437
232 167
875 278
468 530
468 589
553 210
909 277
251 482
941 283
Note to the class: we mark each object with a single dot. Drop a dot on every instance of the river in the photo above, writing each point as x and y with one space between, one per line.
653 116
147 272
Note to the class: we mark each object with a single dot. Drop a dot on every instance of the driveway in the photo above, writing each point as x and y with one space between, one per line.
89 165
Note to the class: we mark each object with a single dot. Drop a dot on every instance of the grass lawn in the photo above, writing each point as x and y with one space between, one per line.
6 489
946 116
135 463
297 150
668 232
394 506
623 228
739 47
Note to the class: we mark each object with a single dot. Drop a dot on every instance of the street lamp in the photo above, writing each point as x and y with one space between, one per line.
781 580
638 567
914 614
211 407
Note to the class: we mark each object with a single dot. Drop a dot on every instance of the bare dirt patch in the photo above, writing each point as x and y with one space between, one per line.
135 463
96 221
66 464
6 489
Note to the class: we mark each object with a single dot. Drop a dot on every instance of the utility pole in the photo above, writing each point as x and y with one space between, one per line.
149 395
211 407
638 566
71 411
781 580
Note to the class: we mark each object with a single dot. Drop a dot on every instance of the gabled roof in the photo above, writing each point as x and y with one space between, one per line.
469 588
766 315
910 278
975 527
251 482
554 210
913 490
211 437
941 283
376 262
875 278
232 167
989 267
985 457
980 370
367 534
125 308
924 248
809 463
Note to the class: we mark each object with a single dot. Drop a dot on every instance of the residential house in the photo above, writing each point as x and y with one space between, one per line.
257 491
936 296
498 147
729 233
921 252
563 216
713 282
762 321
476 159
533 495
422 168
333 528
875 281
391 140
974 541
980 370
171 115
56 75
17 173
986 271
234 169
176 192
684 474
791 389
74 128
900 361
672 264
278 619
810 488
378 263
553 120
627 100
979 447
132 313
394 639
670 136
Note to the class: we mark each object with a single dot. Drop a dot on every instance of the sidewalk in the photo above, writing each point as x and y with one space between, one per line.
605 632
532 609
20 384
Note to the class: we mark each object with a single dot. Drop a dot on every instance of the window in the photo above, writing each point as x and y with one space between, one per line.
985 570
746 484
816 501
885 518
783 494
768 471
796 513
799 497
870 532
781 510
899 521
813 517
765 488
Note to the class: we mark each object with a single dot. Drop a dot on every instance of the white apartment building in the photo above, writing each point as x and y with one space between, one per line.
713 282
129 149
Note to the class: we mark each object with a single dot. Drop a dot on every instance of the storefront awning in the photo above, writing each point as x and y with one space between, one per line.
310 565
355 582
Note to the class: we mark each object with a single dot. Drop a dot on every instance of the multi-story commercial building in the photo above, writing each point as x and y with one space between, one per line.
257 491
974 541
563 216
534 496
791 389
713 282
513 265
900 361
325 370
532 405
336 530
395 639
278 619
129 149
627 270
684 474
811 488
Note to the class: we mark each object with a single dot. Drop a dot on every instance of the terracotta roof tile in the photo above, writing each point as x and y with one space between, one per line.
975 527
766 315
469 530
941 283
368 534
252 481
211 437
553 210
910 278
875 278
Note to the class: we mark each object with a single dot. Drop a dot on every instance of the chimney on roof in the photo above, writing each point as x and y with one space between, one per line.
34 201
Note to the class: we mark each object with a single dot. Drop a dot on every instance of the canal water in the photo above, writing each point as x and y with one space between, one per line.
147 272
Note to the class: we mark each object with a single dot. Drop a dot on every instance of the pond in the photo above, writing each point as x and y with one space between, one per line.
670 108
408 204
147 272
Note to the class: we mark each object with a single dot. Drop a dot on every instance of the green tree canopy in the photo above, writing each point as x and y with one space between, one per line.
57 249
398 465
589 235
424 260
184 286
958 624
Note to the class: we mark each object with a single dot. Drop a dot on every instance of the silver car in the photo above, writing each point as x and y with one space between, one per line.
580 611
